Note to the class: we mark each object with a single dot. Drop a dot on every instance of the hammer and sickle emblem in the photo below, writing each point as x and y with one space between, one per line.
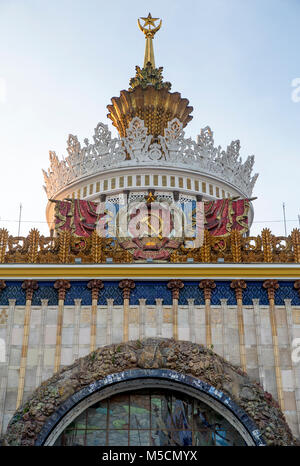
149 21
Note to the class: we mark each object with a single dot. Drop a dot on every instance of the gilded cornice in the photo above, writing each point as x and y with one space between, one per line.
153 271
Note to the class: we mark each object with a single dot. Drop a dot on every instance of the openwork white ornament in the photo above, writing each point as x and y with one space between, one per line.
155 152
171 150
137 142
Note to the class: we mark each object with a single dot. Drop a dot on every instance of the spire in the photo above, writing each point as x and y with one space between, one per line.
149 34
148 97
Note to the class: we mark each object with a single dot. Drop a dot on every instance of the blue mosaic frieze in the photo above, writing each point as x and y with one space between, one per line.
191 290
79 290
111 290
45 291
286 290
255 290
150 290
13 290
223 291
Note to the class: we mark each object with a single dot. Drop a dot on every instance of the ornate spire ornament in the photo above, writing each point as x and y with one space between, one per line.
148 97
149 76
149 32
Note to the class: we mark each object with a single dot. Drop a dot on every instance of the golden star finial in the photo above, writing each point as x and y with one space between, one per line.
149 32
149 21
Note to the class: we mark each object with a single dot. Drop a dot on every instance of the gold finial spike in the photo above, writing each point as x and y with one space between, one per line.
150 198
149 34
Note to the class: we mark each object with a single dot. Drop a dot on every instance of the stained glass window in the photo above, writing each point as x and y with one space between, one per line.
150 417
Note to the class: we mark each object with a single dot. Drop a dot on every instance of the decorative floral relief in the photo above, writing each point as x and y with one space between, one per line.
172 149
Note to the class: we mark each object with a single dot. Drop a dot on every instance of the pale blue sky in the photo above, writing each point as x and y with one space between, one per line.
61 61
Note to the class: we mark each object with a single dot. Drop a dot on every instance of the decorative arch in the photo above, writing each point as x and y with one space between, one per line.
149 378
181 365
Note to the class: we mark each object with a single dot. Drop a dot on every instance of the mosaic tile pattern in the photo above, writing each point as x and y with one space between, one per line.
13 290
149 290
45 291
111 290
286 290
191 290
255 290
223 291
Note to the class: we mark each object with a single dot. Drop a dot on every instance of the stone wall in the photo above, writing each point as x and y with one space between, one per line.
215 325
195 366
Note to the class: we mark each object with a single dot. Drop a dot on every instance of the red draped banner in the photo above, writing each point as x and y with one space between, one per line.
78 216
221 216
225 215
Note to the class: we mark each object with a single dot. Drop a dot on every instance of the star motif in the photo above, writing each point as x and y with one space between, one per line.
149 21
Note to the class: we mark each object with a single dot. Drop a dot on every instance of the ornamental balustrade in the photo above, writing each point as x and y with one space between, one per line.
66 248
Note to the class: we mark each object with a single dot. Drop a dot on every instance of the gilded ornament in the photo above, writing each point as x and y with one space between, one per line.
95 286
64 246
238 286
267 245
29 286
149 32
207 286
295 235
3 244
149 76
271 286
235 237
126 286
2 285
62 286
297 286
33 240
205 249
175 286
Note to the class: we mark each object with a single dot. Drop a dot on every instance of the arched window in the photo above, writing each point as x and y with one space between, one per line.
150 417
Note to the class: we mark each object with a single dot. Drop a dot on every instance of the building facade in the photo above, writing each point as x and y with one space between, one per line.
107 340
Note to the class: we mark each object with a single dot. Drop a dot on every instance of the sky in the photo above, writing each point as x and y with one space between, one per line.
237 61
